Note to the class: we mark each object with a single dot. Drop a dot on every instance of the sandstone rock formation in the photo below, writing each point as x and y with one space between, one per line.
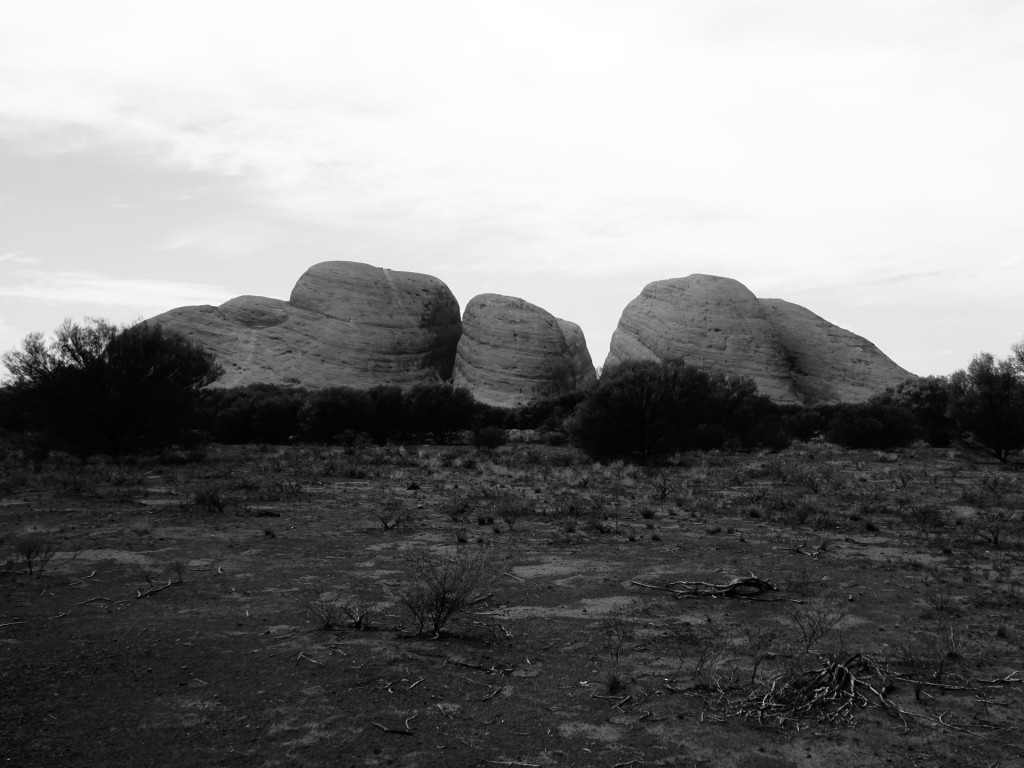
830 364
346 324
793 355
512 353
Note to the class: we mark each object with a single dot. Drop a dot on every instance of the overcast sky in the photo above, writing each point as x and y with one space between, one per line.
863 159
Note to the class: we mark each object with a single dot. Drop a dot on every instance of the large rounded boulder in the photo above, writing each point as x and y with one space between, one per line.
345 324
513 353
716 323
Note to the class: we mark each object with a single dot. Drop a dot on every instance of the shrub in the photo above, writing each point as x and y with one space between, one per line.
510 507
873 425
98 388
334 415
390 417
35 551
987 400
444 586
928 399
258 413
331 613
210 499
489 437
645 411
439 410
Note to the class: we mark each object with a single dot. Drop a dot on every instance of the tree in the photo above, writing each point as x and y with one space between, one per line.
329 414
439 410
987 400
255 413
874 424
98 388
928 398
647 409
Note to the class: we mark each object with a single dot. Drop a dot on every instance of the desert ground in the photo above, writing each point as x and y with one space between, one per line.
267 606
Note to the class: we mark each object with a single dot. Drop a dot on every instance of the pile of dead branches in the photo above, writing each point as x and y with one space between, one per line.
828 695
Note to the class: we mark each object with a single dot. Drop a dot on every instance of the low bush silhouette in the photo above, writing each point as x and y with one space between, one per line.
439 410
99 388
257 413
328 414
646 410
875 425
987 401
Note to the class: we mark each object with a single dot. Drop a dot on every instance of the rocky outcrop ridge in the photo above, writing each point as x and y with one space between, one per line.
793 355
345 324
512 353
828 363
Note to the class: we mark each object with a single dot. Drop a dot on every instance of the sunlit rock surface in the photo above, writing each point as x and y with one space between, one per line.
345 324
792 355
513 353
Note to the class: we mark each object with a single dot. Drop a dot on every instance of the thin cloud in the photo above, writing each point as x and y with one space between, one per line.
88 288
793 145
225 240
17 258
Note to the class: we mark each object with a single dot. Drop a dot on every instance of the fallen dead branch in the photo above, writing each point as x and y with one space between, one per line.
491 695
1010 679
740 588
801 549
406 731
93 600
154 590
12 623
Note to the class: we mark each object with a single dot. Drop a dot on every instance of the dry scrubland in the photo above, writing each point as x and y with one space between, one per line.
260 606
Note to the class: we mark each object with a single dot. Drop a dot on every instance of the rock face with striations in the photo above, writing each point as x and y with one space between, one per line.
512 353
346 324
793 355
830 364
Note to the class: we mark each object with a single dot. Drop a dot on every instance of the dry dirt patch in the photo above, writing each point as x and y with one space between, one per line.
563 660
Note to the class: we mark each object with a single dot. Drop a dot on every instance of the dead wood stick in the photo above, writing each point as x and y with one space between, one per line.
302 655
479 667
12 623
154 590
655 586
619 705
1008 680
399 731
93 600
84 578
491 695
509 762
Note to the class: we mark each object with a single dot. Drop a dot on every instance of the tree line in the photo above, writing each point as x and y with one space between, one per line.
96 388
